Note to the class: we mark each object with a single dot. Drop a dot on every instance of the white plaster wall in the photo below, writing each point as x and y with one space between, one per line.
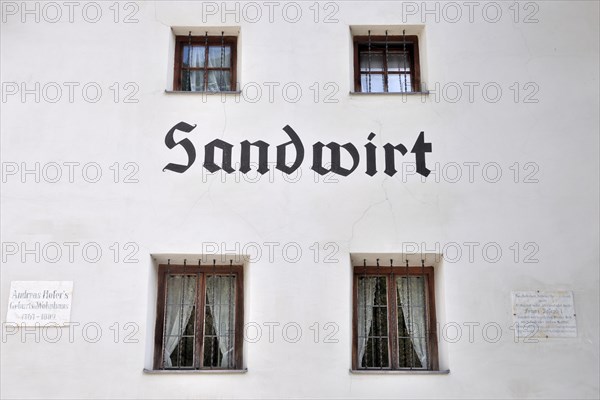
176 214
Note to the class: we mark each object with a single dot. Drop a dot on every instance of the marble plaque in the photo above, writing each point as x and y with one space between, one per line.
40 303
540 314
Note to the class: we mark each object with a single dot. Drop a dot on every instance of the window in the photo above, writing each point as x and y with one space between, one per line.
386 64
394 319
199 317
205 63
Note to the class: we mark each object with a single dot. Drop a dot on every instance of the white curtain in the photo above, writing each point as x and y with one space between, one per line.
220 293
411 291
181 295
366 299
218 80
196 60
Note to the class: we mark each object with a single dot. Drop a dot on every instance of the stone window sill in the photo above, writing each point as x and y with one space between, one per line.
194 371
234 92
425 93
397 372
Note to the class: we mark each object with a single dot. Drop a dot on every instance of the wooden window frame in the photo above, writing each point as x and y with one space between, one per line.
181 41
391 273
200 272
412 47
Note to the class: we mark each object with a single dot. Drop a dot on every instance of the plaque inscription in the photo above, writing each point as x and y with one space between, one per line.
40 303
539 314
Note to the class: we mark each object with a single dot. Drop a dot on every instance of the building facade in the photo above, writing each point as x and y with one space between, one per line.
343 199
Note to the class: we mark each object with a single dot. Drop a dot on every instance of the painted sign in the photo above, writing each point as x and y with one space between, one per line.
419 149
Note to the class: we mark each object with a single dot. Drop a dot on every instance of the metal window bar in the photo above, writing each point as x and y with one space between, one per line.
372 323
193 318
205 83
365 311
230 331
404 62
379 330
222 73
426 333
392 277
179 347
386 66
400 311
369 67
409 324
164 337
212 341
200 280
189 74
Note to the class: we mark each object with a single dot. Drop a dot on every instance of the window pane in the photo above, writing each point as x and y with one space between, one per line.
212 353
399 83
192 81
180 321
375 61
373 351
376 83
218 60
379 325
196 58
398 61
219 322
407 357
177 285
412 322
219 81
183 355
376 355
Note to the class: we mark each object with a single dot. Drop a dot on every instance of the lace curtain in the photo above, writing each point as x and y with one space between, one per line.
181 297
411 292
220 298
366 300
411 299
217 81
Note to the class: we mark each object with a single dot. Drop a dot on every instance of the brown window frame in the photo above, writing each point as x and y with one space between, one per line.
200 271
412 47
391 273
181 41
